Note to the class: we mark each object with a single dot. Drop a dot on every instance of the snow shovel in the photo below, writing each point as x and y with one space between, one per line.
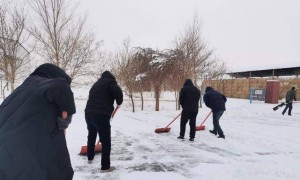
201 126
166 129
98 146
280 105
98 149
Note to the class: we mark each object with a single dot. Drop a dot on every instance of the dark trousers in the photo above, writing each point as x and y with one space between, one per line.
185 117
216 118
288 106
99 124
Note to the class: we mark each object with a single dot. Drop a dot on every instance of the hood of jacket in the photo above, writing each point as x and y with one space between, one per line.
208 88
108 75
51 71
188 82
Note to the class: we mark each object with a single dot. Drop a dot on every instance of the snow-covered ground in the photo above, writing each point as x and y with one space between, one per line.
260 144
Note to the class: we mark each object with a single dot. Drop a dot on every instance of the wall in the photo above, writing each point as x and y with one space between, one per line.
240 88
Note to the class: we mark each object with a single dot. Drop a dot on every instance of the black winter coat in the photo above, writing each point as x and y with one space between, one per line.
189 97
31 146
102 96
214 100
290 96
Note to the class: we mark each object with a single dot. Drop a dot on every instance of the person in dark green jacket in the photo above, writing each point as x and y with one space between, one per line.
289 98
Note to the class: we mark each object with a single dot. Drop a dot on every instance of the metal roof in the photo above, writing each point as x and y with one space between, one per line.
291 71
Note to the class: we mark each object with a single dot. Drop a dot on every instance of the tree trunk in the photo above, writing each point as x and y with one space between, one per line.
176 99
12 86
142 98
3 91
200 98
132 102
12 80
157 93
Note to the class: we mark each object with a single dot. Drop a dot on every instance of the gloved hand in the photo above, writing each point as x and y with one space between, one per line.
64 123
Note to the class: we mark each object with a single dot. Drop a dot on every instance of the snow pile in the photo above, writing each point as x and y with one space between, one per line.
260 144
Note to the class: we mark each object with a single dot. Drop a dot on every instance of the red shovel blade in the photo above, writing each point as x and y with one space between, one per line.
162 130
83 151
200 128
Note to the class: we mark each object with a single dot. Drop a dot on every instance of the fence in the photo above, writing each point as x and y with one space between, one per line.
240 88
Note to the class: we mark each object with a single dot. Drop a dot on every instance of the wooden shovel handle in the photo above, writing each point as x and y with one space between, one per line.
114 112
172 121
205 118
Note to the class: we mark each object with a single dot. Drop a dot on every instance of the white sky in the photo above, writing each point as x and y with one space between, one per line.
246 34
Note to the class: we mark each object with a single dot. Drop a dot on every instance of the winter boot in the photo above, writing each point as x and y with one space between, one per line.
213 132
180 137
221 136
90 161
110 169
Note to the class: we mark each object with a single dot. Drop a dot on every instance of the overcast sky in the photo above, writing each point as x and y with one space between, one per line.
246 34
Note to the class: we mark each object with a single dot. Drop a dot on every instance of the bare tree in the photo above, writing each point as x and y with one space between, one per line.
62 37
177 73
198 57
124 69
140 86
140 70
14 59
156 70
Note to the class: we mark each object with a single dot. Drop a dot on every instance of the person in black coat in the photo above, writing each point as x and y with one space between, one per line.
98 112
32 122
289 98
216 102
189 100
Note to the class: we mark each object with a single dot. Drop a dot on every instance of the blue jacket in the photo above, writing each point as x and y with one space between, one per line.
214 99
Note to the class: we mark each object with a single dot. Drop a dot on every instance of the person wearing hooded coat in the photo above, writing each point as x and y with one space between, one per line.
216 102
289 98
189 97
32 122
98 111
